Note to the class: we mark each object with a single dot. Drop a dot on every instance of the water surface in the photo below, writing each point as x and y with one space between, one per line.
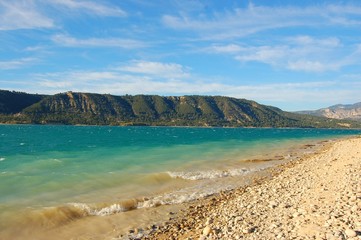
105 170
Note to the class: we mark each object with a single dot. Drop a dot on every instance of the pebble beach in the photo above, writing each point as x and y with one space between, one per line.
317 197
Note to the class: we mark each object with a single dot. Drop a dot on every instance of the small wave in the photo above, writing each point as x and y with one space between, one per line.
176 197
60 215
46 217
199 175
2 159
105 210
189 194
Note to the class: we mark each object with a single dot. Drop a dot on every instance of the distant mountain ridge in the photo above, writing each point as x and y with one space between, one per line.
339 111
151 110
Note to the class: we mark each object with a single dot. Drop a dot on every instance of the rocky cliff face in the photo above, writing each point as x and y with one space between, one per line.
105 109
201 110
350 111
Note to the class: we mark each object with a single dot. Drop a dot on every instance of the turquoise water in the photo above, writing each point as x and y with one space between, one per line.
42 166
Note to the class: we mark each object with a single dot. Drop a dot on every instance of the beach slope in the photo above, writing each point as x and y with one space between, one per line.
318 197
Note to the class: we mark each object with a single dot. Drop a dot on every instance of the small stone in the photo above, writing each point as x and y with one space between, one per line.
209 221
350 233
249 230
273 204
207 230
296 214
353 198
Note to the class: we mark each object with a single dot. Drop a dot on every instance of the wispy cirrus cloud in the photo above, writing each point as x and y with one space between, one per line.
17 63
118 83
157 74
162 70
69 41
34 14
298 53
22 15
228 48
34 48
253 19
91 7
313 66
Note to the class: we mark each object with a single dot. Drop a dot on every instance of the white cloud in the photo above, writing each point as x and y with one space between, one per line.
278 94
15 64
128 74
265 54
92 7
253 19
312 66
75 78
97 42
94 76
314 94
331 42
34 48
299 53
230 48
162 70
32 14
56 85
22 15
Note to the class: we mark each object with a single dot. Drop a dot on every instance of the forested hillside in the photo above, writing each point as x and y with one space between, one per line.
105 109
14 102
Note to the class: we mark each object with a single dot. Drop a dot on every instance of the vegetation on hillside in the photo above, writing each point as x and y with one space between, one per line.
105 109
14 102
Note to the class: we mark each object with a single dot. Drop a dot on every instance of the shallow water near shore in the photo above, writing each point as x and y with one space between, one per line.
51 176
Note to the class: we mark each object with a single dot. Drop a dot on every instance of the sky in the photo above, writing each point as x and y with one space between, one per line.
295 55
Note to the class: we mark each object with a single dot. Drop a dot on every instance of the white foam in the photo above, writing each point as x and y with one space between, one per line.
200 190
106 211
212 174
175 197
2 159
115 208
82 206
186 195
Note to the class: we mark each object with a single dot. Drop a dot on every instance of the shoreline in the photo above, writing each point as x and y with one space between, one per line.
68 221
315 197
175 126
185 220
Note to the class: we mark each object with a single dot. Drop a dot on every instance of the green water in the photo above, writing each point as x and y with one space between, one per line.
53 165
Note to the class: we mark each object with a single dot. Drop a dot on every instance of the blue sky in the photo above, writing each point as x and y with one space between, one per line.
295 55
